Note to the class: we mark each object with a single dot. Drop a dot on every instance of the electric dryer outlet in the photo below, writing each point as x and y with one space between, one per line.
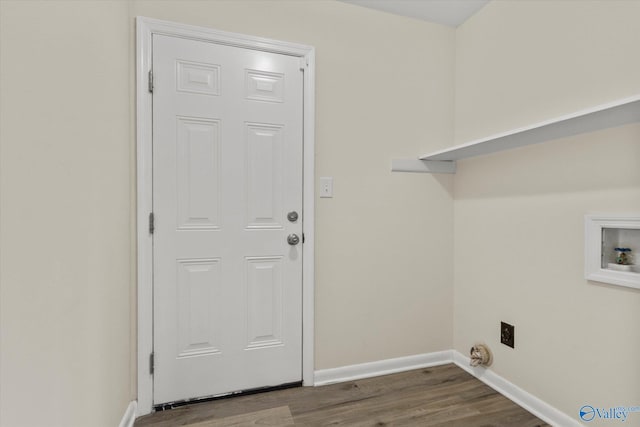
507 334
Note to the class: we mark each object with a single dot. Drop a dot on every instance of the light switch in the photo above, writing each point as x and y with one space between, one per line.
326 186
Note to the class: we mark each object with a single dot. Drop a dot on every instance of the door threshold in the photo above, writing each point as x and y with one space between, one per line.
179 403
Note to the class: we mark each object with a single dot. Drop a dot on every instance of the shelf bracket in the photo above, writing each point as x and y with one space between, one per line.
423 166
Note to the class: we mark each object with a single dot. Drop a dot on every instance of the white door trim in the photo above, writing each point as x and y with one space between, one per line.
145 28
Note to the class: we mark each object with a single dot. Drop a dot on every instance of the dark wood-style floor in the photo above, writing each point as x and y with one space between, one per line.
440 396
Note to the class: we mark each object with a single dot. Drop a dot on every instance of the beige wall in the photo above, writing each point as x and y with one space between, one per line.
519 251
65 230
383 284
522 62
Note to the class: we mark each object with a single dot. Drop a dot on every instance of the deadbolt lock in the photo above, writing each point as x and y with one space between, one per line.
292 216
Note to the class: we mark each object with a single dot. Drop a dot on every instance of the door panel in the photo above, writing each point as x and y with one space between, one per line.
198 281
264 299
265 176
227 168
198 173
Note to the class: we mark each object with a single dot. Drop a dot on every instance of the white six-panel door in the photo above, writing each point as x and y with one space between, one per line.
227 169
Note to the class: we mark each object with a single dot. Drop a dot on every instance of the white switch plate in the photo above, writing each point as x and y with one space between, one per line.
326 186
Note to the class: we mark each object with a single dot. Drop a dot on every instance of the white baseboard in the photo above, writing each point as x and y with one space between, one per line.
129 416
537 407
381 367
531 403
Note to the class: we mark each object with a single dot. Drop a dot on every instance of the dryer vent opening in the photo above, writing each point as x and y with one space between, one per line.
480 355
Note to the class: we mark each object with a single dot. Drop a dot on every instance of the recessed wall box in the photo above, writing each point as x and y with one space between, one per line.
612 249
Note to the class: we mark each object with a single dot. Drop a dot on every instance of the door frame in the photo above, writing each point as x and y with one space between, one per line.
145 29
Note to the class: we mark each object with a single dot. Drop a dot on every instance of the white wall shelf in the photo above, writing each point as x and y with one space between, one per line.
424 166
617 113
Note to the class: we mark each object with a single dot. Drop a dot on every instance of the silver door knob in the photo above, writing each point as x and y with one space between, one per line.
292 216
293 239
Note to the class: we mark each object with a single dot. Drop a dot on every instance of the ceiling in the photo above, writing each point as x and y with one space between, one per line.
446 12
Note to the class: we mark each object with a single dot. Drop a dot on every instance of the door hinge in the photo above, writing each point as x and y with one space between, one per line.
150 81
152 223
151 364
